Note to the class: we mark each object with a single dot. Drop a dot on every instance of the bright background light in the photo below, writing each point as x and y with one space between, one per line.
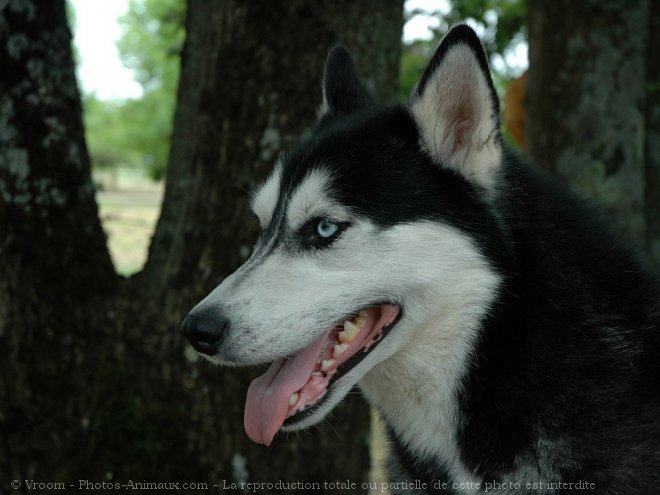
96 32
100 70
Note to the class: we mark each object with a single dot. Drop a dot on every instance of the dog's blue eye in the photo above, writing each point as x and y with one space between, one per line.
326 229
320 232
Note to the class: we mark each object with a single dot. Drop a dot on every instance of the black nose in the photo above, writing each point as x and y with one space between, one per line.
205 330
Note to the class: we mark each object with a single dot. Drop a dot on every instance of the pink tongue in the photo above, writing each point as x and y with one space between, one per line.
267 403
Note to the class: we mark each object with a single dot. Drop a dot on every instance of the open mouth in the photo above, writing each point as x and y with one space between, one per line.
295 386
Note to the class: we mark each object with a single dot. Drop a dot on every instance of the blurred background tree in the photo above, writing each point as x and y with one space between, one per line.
136 132
151 46
592 105
96 381
499 23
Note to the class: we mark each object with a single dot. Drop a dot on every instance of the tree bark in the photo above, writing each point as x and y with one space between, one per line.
586 95
97 383
652 148
55 270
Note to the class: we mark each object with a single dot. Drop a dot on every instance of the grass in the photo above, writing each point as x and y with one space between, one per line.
129 205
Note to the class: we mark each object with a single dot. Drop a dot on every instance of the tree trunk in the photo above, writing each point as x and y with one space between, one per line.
97 383
55 270
652 148
586 95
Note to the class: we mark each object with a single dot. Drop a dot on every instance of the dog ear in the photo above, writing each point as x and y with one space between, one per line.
457 111
343 92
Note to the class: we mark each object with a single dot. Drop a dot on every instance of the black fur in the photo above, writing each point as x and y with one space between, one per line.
343 90
569 356
572 344
376 160
566 375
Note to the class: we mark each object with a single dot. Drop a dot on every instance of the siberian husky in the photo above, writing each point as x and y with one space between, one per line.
508 338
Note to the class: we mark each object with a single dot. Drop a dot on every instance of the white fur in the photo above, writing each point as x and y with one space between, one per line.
323 108
455 117
444 285
415 389
280 302
310 200
264 199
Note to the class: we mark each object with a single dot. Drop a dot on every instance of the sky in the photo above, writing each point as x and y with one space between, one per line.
101 71
418 26
96 31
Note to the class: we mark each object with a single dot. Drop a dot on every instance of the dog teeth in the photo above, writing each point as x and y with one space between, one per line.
363 314
349 326
339 349
317 374
293 399
326 363
360 321
349 332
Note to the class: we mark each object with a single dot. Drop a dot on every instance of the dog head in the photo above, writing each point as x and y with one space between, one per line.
367 248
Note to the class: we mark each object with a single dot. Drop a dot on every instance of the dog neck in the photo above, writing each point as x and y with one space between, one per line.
416 389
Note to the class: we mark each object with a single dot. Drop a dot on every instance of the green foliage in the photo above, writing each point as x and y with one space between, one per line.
503 25
106 133
152 41
136 132
414 58
504 21
151 45
148 126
